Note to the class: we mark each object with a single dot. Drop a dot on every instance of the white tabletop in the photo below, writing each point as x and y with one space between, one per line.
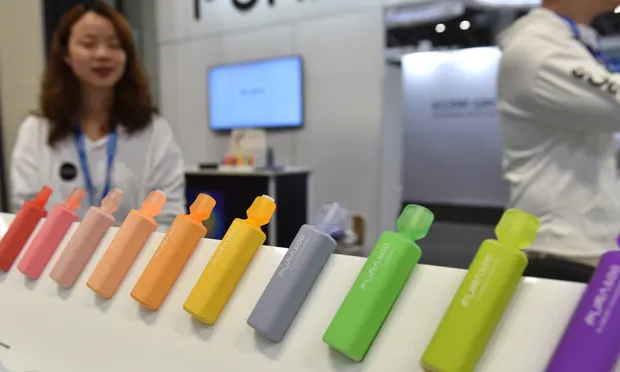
54 330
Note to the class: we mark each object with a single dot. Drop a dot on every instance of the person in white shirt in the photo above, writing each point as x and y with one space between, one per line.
559 98
96 127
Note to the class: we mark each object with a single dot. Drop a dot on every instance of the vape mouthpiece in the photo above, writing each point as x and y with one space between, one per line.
153 203
74 199
261 210
415 221
201 208
112 200
42 197
331 217
517 228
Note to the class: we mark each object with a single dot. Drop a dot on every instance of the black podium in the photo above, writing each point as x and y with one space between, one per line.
235 191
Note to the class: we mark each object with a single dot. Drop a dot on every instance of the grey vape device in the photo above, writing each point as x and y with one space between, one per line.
295 276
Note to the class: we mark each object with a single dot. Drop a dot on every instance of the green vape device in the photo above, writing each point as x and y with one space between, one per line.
378 285
484 294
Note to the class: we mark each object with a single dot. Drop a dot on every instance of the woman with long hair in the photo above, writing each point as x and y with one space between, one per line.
96 127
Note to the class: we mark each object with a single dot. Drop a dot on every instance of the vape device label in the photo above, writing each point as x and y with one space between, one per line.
480 280
605 300
164 243
229 237
295 251
380 262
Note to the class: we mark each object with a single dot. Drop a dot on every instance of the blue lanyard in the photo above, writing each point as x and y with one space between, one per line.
612 65
81 147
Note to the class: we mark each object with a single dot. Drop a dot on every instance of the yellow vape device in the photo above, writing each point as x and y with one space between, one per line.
230 260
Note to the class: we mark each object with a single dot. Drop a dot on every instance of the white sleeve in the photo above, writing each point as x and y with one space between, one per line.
167 172
25 173
574 90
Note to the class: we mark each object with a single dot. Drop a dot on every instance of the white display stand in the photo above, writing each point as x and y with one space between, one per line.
50 329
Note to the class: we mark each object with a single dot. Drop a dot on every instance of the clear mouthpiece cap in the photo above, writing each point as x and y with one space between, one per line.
415 221
261 210
43 196
201 208
331 217
152 205
112 200
74 199
517 228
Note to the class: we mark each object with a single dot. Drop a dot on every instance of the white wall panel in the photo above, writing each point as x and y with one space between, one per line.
21 67
452 127
342 45
408 2
258 44
392 142
221 15
177 21
173 17
344 68
168 79
194 57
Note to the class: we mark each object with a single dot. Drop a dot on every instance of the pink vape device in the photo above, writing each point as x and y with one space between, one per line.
50 235
84 242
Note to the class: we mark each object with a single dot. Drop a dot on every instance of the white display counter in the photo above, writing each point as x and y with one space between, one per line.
48 329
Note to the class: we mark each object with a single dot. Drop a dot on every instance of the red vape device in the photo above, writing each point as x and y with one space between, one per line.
21 228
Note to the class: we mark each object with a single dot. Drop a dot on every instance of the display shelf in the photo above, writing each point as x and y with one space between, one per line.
50 329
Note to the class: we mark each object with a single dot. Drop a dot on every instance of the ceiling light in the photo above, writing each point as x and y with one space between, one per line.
617 10
440 28
465 25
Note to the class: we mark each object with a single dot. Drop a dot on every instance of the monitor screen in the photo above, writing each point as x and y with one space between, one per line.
257 94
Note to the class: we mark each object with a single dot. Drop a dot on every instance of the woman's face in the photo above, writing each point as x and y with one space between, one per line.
95 53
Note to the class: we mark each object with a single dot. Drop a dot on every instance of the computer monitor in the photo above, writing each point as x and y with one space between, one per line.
265 94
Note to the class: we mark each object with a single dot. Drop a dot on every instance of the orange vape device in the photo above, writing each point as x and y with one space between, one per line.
127 244
172 254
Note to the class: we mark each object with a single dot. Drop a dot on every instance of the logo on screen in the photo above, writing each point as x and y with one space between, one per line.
252 91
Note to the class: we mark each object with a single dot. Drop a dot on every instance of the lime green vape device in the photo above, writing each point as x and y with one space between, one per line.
484 294
378 285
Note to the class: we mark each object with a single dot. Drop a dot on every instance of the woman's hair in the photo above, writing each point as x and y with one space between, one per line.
60 98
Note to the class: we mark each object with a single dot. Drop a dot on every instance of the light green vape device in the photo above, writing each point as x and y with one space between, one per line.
378 285
484 294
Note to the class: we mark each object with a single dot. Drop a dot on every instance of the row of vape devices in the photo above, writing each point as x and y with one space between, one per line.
590 342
